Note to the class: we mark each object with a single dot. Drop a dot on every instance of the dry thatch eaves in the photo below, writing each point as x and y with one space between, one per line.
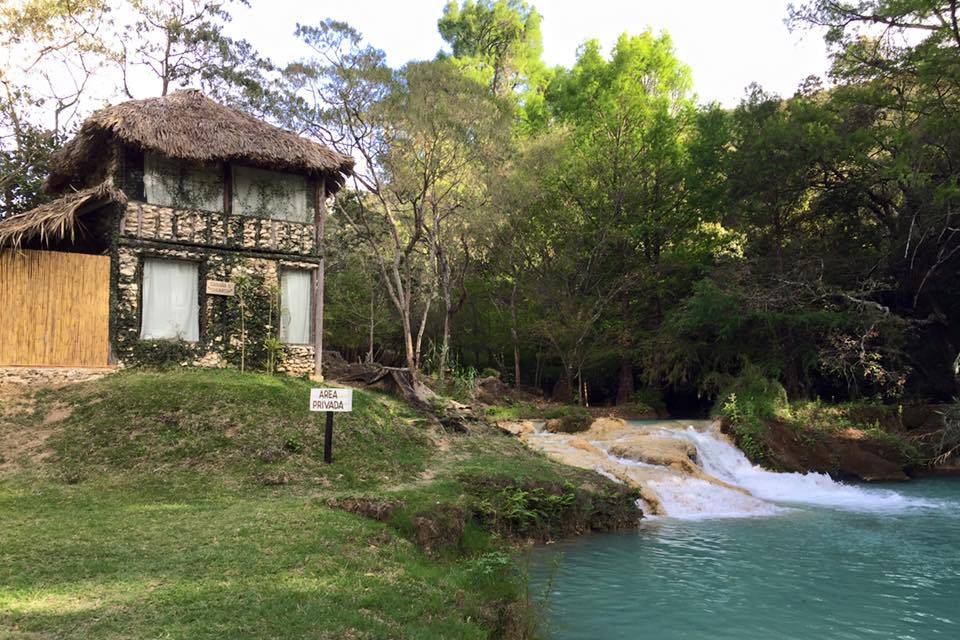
190 126
59 219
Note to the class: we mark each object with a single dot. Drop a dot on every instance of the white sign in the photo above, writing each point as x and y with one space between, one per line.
329 399
220 288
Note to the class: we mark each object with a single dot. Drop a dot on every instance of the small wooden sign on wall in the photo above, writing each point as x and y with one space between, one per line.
220 288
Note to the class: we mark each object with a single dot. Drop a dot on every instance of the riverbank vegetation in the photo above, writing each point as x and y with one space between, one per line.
196 502
596 232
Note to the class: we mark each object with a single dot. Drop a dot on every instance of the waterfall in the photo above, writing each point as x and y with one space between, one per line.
688 469
769 492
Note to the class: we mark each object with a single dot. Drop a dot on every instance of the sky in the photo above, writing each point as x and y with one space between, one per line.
727 43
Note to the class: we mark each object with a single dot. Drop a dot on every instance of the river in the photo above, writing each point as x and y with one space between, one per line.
803 558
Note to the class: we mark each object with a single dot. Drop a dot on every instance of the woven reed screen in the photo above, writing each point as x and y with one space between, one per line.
54 309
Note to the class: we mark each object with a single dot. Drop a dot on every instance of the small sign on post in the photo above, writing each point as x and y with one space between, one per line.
220 288
330 401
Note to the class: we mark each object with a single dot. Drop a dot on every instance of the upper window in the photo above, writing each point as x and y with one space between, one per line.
170 307
271 194
181 184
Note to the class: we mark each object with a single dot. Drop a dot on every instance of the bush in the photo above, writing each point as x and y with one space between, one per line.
746 403
490 373
948 442
650 398
566 411
162 353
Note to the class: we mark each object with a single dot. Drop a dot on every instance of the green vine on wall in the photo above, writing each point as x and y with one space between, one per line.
254 314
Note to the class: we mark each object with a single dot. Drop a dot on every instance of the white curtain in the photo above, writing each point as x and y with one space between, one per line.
296 289
174 183
270 194
170 308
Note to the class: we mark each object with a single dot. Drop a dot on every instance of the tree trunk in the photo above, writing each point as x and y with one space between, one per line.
514 336
625 388
320 222
370 348
423 327
445 344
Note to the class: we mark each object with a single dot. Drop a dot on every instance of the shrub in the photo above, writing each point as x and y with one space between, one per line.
948 443
748 401
650 398
162 353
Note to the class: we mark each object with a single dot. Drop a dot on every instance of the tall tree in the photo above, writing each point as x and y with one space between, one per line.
497 42
631 119
421 134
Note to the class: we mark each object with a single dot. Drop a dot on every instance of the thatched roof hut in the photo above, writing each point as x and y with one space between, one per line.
190 126
185 125
58 219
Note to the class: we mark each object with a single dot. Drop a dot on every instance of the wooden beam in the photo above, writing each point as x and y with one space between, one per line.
227 189
320 214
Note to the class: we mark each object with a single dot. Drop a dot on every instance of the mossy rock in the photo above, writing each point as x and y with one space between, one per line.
569 424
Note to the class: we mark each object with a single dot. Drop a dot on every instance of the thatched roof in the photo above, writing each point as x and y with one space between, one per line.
59 219
190 126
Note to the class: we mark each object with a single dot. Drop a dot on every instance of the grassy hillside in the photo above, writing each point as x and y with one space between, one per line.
195 504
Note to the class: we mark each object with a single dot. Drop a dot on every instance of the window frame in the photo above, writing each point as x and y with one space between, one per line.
311 309
310 193
201 293
214 167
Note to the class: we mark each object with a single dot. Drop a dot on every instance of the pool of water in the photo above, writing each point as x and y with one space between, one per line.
806 573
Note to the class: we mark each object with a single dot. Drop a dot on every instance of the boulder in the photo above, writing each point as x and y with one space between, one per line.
569 424
517 427
492 390
845 454
656 450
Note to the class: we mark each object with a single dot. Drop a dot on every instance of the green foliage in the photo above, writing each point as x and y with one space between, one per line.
521 508
24 156
163 353
947 445
496 42
747 402
254 320
530 411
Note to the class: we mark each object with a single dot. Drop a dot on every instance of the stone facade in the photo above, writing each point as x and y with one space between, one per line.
249 251
219 330
46 376
213 229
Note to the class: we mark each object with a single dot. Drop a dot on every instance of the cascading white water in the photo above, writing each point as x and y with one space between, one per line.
724 461
687 497
690 470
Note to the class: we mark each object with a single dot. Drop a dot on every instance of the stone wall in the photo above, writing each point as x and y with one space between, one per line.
220 328
43 376
212 229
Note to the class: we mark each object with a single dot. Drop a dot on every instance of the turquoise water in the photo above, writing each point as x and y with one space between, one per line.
809 573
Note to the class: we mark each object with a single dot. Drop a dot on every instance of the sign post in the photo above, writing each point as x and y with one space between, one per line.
330 401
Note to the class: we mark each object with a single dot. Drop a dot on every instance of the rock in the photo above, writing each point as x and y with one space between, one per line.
518 427
845 454
491 390
568 424
607 428
666 452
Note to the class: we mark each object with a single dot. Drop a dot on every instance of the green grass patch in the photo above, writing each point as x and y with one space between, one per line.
200 560
530 411
247 426
195 503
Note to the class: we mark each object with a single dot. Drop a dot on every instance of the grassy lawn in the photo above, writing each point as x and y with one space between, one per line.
195 504
196 561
